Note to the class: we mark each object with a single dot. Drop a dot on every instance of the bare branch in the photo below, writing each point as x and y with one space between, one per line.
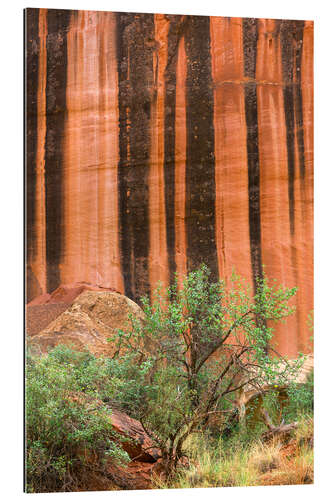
267 419
233 360
223 340
236 388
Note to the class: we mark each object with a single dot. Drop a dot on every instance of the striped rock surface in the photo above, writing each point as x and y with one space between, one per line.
155 142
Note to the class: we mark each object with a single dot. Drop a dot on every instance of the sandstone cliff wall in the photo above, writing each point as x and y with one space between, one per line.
155 142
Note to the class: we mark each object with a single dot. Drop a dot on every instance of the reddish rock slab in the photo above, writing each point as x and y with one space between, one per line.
136 476
67 293
138 444
40 316
145 461
142 447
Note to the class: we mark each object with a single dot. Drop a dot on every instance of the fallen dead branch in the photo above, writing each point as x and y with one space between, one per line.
282 430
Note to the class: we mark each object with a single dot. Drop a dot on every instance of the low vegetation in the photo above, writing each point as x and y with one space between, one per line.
179 373
245 460
201 342
68 427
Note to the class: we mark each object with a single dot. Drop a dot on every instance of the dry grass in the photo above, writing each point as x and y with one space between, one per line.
304 433
293 470
257 464
295 460
265 457
212 469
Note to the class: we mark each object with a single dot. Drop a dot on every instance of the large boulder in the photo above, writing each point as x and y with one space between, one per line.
92 318
45 308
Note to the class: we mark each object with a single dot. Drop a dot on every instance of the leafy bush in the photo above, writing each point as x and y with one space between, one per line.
200 342
68 427
292 403
300 399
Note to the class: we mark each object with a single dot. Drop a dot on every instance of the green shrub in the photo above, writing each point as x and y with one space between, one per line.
300 399
200 342
68 427
291 404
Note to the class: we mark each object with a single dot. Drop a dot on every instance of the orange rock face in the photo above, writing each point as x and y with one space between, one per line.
156 142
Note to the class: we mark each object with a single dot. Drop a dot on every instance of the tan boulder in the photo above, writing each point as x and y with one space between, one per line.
92 318
45 308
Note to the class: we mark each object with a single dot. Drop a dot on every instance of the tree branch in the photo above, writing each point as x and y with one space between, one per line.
233 360
236 388
223 340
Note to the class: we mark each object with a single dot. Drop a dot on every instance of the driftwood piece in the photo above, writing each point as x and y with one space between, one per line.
282 430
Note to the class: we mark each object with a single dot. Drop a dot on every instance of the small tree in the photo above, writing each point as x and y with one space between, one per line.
200 342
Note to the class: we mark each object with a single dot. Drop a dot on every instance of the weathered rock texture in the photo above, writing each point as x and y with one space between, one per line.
140 447
38 317
66 294
156 142
88 323
45 308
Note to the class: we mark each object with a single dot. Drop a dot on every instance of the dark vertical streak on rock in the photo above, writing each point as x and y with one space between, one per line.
31 87
56 80
170 77
123 103
135 46
250 37
200 157
291 36
298 96
287 56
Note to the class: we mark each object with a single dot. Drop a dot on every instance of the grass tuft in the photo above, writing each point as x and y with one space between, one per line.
213 463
